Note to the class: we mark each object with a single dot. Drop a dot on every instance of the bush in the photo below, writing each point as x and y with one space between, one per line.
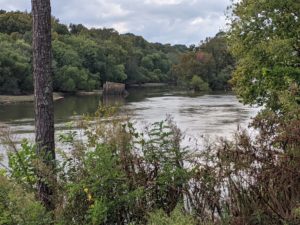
177 217
20 207
70 79
119 174
198 84
252 180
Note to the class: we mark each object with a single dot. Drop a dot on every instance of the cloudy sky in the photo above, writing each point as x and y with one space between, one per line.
165 21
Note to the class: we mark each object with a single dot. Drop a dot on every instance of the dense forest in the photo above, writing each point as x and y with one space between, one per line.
208 66
83 59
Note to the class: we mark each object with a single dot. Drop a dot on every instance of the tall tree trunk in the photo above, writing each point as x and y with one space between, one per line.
43 93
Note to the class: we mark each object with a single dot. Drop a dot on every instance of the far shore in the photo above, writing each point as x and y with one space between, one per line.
86 93
13 99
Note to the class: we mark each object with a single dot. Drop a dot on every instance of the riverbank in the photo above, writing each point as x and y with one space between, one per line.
148 85
14 99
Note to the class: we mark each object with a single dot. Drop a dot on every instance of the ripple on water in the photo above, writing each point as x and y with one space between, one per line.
215 115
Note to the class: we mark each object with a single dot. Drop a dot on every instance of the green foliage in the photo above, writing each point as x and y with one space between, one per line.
211 62
59 28
15 66
22 163
20 207
118 73
15 22
264 37
177 217
147 63
70 79
83 58
198 84
104 185
64 54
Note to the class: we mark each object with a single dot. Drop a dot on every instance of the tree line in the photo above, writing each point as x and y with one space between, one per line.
84 59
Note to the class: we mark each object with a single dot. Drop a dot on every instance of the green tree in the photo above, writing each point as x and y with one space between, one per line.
59 28
101 54
264 37
211 61
147 63
119 73
198 84
71 78
65 54
11 22
15 69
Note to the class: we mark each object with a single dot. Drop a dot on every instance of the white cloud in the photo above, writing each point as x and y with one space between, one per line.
110 9
197 20
166 21
163 2
14 5
121 27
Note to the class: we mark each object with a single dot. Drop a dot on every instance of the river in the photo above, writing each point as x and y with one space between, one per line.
213 114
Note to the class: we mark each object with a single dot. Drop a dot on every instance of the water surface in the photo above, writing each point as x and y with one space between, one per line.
213 114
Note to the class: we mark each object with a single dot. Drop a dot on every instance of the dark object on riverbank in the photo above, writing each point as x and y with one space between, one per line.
111 88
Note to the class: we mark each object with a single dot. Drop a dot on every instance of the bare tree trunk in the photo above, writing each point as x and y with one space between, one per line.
43 92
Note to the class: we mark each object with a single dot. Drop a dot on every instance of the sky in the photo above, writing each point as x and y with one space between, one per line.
165 21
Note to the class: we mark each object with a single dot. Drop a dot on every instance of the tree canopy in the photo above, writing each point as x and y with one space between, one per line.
83 59
211 61
265 39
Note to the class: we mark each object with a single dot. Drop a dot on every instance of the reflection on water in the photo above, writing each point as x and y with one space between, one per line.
113 100
64 108
212 114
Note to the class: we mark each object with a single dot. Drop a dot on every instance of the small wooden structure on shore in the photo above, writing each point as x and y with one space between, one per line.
111 88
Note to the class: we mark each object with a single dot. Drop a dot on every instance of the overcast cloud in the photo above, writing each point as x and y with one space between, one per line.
166 21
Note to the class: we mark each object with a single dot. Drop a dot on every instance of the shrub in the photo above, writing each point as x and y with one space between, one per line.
119 174
20 207
252 180
177 217
198 84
